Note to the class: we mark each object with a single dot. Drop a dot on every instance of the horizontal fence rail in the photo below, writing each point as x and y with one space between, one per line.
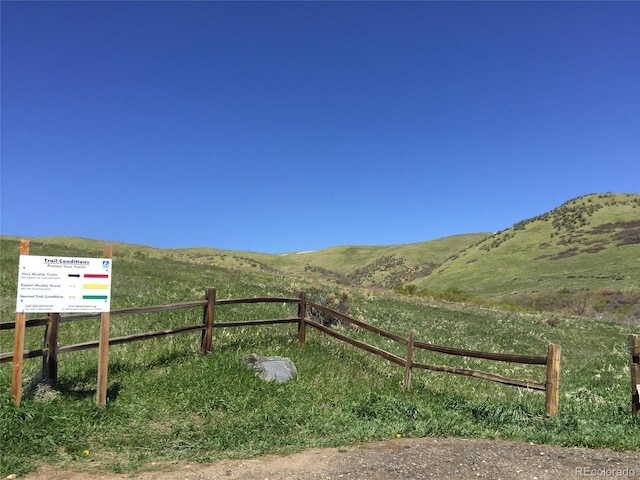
484 375
305 307
8 356
356 343
36 322
502 357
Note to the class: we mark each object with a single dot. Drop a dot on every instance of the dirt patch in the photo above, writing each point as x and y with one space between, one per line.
404 458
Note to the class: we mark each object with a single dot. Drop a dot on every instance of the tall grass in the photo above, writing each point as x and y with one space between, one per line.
168 402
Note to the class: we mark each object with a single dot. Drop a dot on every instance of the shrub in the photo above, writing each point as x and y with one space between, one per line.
339 301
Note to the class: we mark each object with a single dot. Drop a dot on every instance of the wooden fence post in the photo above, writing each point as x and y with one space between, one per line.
302 314
209 318
18 344
409 362
50 358
103 348
634 340
553 380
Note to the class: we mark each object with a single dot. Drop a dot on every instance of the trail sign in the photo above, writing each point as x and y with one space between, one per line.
63 284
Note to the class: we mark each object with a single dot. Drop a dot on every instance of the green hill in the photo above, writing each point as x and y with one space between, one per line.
588 243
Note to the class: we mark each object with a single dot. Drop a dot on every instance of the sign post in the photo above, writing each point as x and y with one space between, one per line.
62 284
103 349
18 343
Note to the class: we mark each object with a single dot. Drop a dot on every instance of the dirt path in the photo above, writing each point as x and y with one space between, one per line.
405 458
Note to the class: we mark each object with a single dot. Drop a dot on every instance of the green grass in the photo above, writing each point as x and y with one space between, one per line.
168 402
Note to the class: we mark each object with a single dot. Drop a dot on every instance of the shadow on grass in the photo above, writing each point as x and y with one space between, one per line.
41 390
84 384
69 390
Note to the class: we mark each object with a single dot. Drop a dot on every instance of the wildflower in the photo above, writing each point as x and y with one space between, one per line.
86 452
398 435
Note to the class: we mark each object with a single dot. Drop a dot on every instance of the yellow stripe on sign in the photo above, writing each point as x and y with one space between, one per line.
89 285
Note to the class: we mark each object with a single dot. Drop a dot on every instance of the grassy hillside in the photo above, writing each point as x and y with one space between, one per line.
380 266
384 266
167 402
589 243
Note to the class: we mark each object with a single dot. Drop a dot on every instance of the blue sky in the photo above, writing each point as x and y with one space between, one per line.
278 127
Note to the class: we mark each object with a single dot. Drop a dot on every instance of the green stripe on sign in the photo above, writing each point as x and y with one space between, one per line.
94 297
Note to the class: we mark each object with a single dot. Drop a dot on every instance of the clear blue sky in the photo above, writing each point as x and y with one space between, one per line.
277 127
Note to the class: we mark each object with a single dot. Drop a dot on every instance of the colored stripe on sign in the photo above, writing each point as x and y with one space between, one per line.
86 285
96 275
94 297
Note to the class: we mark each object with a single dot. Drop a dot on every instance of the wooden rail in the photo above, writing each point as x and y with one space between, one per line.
52 329
36 322
8 356
552 360
356 343
353 321
501 357
484 375
50 350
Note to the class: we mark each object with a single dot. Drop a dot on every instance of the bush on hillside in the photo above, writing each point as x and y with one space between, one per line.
451 294
339 301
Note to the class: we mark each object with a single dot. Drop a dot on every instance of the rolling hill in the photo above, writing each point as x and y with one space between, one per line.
588 244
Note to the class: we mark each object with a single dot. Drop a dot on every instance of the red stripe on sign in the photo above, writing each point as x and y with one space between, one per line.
96 275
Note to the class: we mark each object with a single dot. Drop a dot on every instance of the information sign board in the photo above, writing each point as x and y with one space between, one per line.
63 284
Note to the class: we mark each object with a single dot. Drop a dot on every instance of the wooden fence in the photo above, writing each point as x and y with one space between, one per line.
634 341
552 360
51 350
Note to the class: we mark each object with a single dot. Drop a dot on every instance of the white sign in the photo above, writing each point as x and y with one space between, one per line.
63 284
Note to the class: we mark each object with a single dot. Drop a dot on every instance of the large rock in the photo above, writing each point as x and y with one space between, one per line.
279 369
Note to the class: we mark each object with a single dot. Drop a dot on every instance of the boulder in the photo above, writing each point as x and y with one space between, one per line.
279 369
